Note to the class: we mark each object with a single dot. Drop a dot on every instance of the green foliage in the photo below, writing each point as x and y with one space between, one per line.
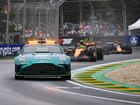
3 17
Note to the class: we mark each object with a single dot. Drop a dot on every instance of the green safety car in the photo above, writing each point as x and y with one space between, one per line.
42 60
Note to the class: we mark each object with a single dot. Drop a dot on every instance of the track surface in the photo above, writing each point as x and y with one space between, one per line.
57 92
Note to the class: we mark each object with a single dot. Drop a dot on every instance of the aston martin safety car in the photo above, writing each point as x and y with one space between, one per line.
41 59
117 48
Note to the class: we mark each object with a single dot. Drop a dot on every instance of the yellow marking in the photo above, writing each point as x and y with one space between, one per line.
117 88
92 71
101 83
114 86
95 82
122 88
100 68
89 80
135 92
109 66
129 89
85 79
82 78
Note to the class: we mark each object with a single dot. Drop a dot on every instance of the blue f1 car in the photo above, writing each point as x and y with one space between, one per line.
117 48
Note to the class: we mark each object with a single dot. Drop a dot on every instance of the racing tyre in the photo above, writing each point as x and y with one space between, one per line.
130 51
92 59
100 55
92 56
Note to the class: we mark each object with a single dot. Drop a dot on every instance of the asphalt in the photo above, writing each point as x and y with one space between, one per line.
58 92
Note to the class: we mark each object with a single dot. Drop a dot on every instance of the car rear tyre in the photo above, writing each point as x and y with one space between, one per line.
100 55
93 59
130 51
92 56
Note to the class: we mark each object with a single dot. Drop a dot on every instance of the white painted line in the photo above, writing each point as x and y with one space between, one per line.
94 88
90 67
101 98
95 66
64 87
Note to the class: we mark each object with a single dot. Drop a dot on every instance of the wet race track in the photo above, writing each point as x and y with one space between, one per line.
58 92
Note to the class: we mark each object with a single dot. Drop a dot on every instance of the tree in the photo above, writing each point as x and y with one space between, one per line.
3 17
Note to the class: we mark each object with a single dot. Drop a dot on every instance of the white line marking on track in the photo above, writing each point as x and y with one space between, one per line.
95 66
65 87
95 97
89 87
101 98
99 65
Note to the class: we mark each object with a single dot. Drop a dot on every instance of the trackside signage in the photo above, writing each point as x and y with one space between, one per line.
10 50
134 40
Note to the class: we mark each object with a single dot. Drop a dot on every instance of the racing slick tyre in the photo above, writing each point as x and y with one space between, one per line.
130 51
100 55
92 56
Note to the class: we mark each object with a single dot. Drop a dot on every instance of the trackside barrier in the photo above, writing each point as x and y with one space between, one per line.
10 50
